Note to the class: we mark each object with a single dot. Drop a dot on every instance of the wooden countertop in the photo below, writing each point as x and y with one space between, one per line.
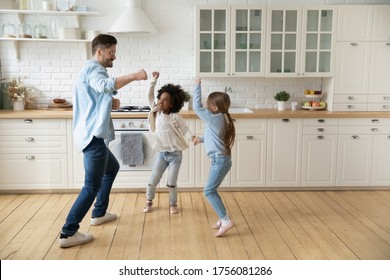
269 113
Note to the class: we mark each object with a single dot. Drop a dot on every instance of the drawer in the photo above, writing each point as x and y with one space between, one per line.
33 144
321 121
377 98
243 126
32 127
349 98
378 107
40 172
344 107
353 129
320 130
364 121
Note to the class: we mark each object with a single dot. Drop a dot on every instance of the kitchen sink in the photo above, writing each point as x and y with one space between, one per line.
240 111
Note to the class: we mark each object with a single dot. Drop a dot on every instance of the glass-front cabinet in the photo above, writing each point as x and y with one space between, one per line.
248 41
300 41
230 41
213 41
318 41
283 42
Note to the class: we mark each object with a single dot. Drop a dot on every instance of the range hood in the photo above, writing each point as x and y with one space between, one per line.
132 20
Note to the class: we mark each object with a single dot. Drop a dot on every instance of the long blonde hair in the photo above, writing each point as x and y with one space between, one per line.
221 101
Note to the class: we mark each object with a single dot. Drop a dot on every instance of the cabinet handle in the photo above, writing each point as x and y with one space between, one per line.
249 137
30 157
349 107
320 129
320 137
355 137
386 97
285 120
385 106
29 139
354 44
28 120
374 129
320 120
374 120
388 44
350 98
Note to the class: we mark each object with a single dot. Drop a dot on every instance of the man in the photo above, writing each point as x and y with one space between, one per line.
92 131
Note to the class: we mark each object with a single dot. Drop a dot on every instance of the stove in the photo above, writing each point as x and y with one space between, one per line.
132 109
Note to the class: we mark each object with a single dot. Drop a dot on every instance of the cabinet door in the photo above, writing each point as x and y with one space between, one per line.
33 171
381 161
284 141
319 154
352 67
187 168
354 22
213 41
283 41
379 82
318 41
249 161
248 41
381 20
354 160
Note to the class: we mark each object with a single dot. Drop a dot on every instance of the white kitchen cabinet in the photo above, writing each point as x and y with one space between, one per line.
352 70
355 162
319 152
284 146
355 22
300 41
230 41
380 172
249 153
379 82
380 22
33 154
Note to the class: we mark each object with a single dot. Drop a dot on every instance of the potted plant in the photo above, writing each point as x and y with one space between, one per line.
282 97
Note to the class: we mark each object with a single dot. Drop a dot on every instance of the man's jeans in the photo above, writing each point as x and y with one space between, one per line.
101 168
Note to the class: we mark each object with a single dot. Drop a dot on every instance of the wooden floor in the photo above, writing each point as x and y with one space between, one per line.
301 225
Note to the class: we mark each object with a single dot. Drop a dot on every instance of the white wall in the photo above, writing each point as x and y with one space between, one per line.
53 67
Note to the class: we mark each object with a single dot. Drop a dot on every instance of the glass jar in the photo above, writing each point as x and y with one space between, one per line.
40 31
25 31
9 30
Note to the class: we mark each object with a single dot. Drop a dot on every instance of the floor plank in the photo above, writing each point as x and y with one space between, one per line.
271 225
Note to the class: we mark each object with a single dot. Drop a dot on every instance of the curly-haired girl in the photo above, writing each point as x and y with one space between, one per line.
218 138
171 137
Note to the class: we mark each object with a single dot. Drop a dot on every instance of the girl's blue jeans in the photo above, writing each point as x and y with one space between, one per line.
220 166
101 168
163 161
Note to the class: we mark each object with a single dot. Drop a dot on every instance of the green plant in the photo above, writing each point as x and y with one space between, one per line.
282 96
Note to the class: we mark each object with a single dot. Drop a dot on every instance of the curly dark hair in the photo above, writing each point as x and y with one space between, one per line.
178 96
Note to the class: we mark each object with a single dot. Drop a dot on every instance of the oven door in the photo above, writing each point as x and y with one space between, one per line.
149 154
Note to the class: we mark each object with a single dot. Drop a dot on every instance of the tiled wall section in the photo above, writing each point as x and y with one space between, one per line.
52 67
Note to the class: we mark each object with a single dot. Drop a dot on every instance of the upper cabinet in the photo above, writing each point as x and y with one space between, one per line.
354 23
230 41
259 41
300 41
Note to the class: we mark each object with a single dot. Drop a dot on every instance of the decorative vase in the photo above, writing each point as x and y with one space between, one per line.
281 105
18 106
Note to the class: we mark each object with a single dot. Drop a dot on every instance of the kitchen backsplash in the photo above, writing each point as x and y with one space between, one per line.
52 67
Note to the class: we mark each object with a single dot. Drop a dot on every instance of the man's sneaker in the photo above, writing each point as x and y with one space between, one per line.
101 220
77 239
